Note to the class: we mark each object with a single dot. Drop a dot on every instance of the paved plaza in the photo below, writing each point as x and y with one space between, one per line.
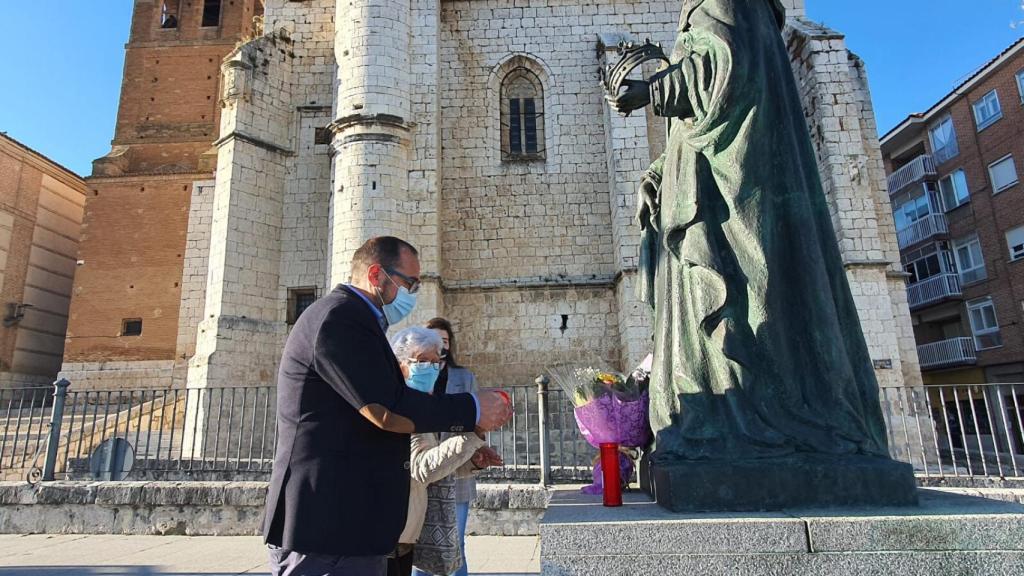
109 555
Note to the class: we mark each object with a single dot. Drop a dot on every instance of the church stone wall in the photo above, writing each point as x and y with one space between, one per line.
271 201
535 219
511 335
536 241
240 336
309 28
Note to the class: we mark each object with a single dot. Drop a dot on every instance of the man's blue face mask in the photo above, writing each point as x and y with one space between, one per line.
422 376
401 306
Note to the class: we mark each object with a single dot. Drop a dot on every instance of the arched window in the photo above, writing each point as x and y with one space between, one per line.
522 116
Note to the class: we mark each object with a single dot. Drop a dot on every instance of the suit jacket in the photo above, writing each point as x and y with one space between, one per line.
340 485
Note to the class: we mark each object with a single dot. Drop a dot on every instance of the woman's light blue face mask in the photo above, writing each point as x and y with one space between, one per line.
422 375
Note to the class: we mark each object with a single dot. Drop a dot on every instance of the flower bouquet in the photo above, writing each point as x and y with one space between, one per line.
609 408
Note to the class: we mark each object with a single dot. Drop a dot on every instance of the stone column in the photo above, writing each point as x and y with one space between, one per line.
371 127
629 156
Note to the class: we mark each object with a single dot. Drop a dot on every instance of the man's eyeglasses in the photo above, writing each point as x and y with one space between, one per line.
413 283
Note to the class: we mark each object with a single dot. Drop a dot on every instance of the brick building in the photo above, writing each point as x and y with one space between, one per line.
40 217
959 213
126 310
475 129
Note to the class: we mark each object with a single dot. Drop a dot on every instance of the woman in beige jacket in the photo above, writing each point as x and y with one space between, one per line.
432 459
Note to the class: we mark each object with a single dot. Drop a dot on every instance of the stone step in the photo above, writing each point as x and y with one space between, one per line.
946 534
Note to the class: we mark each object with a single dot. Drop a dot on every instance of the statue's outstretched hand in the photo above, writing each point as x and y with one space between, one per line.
636 96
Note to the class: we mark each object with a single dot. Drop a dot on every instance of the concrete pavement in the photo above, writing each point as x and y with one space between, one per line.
109 555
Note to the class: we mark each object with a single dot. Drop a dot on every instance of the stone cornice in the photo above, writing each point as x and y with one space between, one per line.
351 120
257 142
164 43
866 263
149 177
533 283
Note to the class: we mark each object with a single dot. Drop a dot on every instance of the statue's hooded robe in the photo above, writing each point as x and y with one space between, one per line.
758 348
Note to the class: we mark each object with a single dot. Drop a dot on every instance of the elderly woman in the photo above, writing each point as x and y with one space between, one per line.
434 461
454 379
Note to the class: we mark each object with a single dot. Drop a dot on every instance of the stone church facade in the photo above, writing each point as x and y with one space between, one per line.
477 130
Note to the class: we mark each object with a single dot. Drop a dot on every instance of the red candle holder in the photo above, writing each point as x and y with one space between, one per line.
610 474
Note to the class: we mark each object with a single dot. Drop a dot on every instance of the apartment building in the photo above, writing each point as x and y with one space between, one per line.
958 203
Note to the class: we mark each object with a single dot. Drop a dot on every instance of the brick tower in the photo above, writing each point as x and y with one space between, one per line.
125 309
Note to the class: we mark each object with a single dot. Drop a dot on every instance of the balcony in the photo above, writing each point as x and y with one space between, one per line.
933 290
928 227
947 353
912 173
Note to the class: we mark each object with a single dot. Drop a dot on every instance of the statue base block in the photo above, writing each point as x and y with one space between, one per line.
797 481
946 534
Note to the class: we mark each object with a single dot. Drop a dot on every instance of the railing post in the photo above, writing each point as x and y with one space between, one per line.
60 393
542 430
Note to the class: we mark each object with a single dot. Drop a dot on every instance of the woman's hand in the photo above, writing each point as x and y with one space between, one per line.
486 457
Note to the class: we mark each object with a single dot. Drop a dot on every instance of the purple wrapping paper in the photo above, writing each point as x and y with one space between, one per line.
608 419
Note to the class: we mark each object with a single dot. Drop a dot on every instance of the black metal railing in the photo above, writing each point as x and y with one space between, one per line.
207 433
227 433
541 442
24 431
947 432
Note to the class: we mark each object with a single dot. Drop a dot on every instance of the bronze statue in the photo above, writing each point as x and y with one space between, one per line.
759 353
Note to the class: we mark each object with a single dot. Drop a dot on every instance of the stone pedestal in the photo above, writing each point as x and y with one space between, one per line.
946 534
800 480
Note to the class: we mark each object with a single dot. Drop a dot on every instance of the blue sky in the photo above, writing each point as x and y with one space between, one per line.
63 61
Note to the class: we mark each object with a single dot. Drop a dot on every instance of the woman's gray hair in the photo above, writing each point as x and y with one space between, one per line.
410 342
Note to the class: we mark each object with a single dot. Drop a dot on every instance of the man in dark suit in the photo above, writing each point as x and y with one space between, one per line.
339 490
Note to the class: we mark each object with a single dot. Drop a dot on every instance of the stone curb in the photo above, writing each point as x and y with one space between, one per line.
209 508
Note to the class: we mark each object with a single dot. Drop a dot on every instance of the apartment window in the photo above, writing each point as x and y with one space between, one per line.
911 211
1020 85
131 327
953 189
169 14
1003 173
298 300
522 116
211 13
987 110
924 268
1015 242
969 260
927 262
984 324
943 138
